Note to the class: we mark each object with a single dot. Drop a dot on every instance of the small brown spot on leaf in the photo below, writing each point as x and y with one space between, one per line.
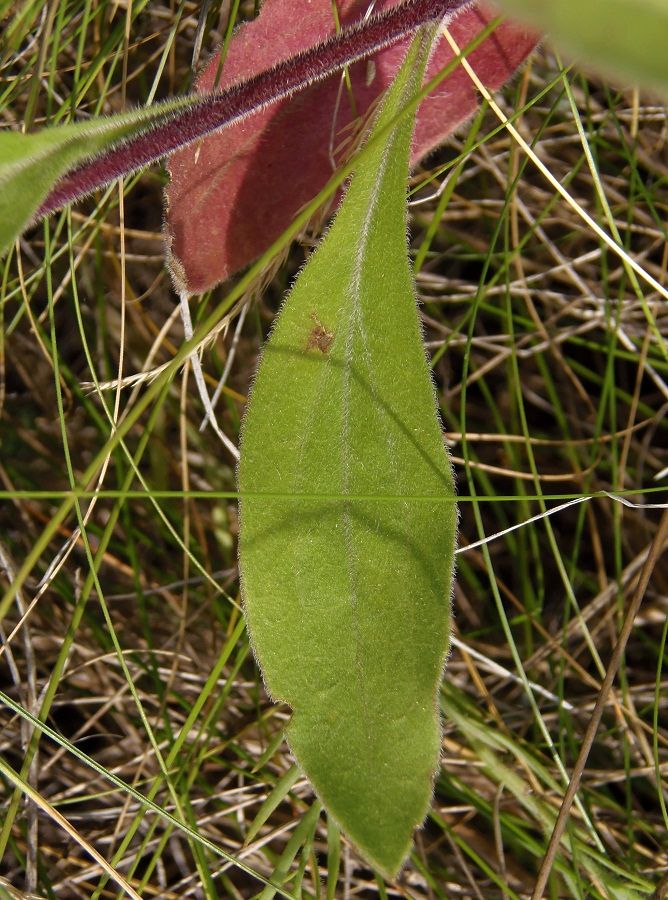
319 338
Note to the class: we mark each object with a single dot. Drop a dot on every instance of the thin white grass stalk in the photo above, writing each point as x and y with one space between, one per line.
11 661
558 187
199 376
499 534
555 509
626 502
497 669
228 364
648 367
436 194
5 645
65 825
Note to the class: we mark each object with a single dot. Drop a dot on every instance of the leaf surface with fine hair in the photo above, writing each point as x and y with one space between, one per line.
347 513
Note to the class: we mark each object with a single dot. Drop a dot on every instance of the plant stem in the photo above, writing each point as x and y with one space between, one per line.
212 112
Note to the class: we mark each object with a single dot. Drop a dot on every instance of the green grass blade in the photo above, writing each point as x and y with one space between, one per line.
303 834
275 798
333 858
348 601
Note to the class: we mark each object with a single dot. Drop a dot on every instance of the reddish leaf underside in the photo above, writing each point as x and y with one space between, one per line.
232 194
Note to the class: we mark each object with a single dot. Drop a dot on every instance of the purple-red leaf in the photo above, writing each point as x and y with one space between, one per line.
177 123
233 193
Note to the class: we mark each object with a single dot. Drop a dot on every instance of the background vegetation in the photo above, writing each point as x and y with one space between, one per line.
551 363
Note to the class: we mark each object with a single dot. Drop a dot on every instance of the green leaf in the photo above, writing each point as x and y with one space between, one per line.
348 520
31 164
626 38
